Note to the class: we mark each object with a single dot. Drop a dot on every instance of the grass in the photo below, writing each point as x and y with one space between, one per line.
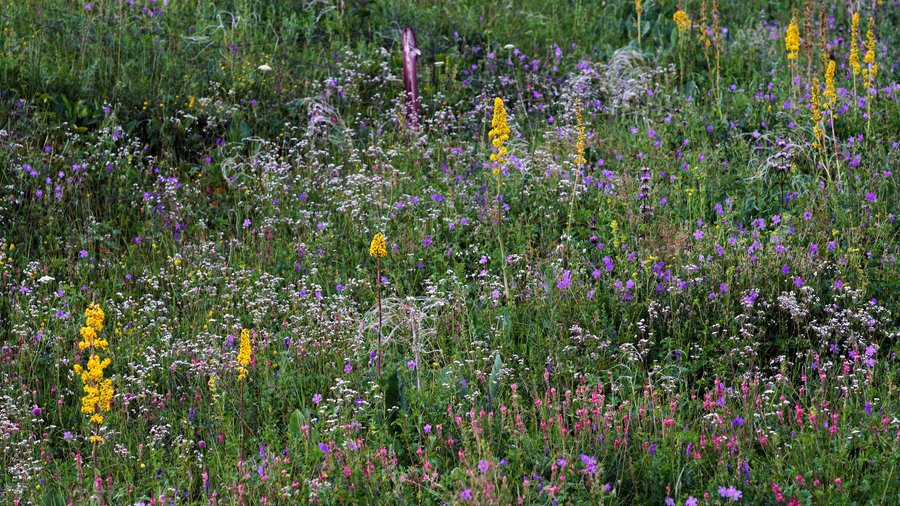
705 312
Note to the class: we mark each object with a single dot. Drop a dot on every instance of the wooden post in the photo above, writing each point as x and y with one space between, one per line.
410 77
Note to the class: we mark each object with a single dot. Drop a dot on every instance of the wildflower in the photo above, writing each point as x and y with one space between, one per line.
854 49
682 21
792 39
730 493
98 391
814 103
244 354
499 134
590 463
870 43
579 145
828 94
869 59
377 248
566 280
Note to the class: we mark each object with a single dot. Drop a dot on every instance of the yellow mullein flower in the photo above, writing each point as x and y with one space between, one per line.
377 247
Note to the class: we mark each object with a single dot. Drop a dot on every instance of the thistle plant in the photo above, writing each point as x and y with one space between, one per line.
98 391
378 250
499 134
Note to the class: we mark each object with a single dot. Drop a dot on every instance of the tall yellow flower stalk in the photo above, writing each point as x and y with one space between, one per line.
683 22
870 73
579 164
854 49
815 105
792 39
829 98
98 392
243 360
378 250
854 44
792 45
499 134
244 355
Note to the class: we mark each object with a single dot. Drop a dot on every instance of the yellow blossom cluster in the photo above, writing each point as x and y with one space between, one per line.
816 107
682 21
854 49
89 333
870 73
829 94
244 354
579 145
377 247
792 40
499 134
98 392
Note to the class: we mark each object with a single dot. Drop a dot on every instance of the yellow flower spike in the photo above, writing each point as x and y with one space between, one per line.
792 39
98 392
854 46
682 21
829 93
499 132
377 247
244 354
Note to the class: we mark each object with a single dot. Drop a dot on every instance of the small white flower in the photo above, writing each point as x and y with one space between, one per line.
46 279
264 67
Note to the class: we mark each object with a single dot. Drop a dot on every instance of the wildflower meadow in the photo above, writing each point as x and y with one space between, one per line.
533 252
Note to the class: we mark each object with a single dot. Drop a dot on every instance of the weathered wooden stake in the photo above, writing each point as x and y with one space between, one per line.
410 77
